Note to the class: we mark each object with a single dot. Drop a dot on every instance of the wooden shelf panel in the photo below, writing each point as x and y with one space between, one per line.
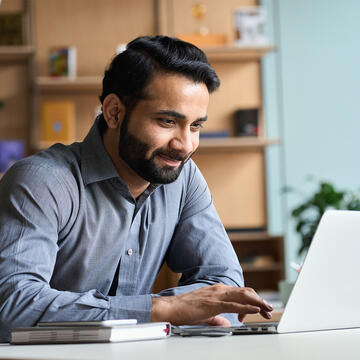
252 236
58 84
235 143
16 53
278 266
237 53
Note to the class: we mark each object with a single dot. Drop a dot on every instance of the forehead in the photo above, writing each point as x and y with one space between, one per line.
166 90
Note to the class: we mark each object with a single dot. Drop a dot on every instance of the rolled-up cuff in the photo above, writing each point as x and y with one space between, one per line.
130 307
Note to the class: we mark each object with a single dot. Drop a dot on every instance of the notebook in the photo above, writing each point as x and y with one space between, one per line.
327 291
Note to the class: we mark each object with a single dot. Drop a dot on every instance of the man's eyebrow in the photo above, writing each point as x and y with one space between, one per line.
178 115
171 113
202 118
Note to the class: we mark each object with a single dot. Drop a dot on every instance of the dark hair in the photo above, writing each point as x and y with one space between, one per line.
131 70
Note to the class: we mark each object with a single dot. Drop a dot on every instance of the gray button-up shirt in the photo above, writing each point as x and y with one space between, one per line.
67 220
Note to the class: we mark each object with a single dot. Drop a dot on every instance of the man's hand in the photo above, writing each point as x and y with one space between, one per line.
204 305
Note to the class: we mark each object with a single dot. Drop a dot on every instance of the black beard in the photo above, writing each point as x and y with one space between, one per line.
133 152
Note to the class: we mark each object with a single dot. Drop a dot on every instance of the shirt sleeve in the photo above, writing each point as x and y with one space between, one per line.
200 249
32 213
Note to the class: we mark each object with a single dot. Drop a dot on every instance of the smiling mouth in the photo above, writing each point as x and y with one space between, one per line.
169 161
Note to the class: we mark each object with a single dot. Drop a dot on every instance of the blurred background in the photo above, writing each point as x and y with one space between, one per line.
286 114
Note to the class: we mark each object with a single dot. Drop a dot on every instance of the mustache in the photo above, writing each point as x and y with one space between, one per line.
175 155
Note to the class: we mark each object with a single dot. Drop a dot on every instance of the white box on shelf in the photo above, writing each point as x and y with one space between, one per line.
250 26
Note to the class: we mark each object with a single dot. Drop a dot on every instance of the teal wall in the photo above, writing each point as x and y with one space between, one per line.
311 99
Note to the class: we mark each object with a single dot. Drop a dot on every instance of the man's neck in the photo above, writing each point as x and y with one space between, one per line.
136 184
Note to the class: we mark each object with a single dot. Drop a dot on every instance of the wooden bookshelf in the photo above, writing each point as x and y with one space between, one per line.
260 246
65 84
237 53
233 167
232 144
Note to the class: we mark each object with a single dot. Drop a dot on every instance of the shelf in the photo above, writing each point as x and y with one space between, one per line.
93 83
80 83
252 236
220 145
256 268
16 53
235 143
237 53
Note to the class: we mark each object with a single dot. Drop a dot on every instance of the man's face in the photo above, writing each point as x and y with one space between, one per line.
162 131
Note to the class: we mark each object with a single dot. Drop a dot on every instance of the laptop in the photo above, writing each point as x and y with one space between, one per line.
327 291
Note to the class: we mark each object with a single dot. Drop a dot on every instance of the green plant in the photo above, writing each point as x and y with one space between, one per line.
307 215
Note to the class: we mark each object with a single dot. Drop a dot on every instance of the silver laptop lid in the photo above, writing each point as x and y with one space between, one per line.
327 292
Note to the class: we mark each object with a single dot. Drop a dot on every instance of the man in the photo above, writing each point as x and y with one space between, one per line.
85 228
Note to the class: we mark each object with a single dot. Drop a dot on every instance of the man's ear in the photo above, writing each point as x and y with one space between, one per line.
113 110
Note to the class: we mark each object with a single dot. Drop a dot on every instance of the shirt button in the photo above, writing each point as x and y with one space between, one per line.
130 252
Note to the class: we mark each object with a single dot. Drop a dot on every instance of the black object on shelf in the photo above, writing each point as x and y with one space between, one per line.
246 122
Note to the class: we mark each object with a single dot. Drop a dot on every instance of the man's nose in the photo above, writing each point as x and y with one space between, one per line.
183 142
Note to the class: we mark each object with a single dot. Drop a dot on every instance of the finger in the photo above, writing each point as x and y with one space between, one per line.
265 314
243 295
234 307
252 298
241 317
218 321
269 306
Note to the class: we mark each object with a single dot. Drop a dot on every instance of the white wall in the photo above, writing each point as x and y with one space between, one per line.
311 96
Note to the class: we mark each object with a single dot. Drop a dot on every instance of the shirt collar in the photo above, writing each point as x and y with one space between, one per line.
96 164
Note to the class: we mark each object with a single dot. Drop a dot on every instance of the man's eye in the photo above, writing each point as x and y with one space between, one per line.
166 122
196 126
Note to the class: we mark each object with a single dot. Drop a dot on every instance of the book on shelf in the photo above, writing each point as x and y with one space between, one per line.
215 134
10 152
202 40
11 29
62 61
89 333
58 121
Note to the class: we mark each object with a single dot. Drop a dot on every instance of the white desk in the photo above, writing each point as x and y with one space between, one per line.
341 344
